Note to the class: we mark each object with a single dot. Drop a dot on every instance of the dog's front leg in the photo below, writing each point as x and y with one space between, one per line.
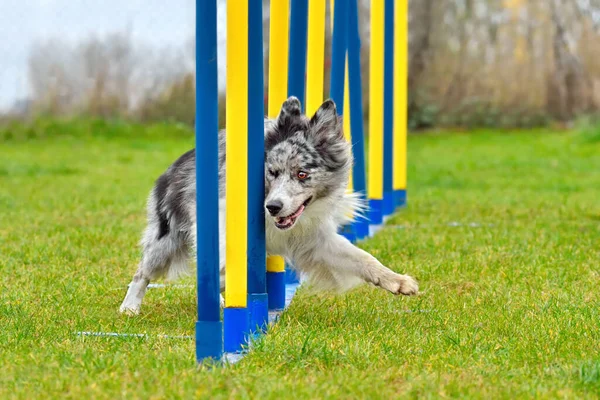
344 258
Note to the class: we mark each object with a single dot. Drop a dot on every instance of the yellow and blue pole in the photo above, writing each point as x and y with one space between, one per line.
356 112
236 323
276 282
388 110
338 89
257 284
209 329
400 101
297 68
376 114
278 59
315 58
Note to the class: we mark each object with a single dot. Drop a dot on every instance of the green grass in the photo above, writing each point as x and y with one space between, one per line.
508 309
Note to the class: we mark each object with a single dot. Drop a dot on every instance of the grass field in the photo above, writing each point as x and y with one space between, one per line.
502 231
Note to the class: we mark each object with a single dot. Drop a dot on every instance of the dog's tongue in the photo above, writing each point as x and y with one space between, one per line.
284 221
289 219
297 213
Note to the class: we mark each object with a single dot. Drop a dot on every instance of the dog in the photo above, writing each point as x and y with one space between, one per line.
307 167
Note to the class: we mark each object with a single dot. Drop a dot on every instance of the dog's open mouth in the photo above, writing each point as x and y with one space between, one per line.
287 222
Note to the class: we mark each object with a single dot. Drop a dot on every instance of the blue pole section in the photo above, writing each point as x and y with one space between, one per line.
297 70
388 110
339 45
236 328
209 329
338 53
356 113
297 51
257 270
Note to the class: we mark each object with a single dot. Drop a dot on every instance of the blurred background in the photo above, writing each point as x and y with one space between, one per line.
472 63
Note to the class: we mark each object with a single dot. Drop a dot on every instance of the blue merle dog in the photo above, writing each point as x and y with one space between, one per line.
307 166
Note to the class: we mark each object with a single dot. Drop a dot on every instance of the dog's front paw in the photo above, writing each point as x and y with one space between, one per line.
401 284
130 309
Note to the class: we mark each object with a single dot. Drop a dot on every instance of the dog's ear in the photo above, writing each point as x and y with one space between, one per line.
290 111
326 121
289 121
327 136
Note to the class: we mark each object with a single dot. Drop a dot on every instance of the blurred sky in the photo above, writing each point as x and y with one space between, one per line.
23 22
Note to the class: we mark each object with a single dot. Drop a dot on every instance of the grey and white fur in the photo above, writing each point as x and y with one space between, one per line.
307 165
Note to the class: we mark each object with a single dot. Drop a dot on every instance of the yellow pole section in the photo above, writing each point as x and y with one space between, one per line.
375 184
275 264
278 55
237 154
346 117
315 58
278 75
400 93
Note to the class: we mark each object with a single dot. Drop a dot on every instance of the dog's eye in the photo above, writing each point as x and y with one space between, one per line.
274 174
302 175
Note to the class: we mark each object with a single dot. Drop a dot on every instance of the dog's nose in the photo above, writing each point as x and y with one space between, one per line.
274 207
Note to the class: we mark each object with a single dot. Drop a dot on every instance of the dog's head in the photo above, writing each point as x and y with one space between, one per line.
306 161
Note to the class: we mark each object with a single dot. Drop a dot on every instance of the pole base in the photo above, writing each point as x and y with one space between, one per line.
388 203
276 290
209 340
236 324
375 212
361 228
400 197
258 308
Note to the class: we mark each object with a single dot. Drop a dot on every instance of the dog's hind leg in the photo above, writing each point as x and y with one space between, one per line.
167 255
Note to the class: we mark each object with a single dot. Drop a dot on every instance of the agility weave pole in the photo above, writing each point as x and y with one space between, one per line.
256 287
209 328
400 49
245 298
340 93
278 79
376 139
297 69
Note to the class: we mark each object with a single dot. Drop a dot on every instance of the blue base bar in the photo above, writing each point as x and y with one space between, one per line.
209 340
388 203
361 228
290 275
276 290
236 329
347 231
258 307
400 198
375 212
